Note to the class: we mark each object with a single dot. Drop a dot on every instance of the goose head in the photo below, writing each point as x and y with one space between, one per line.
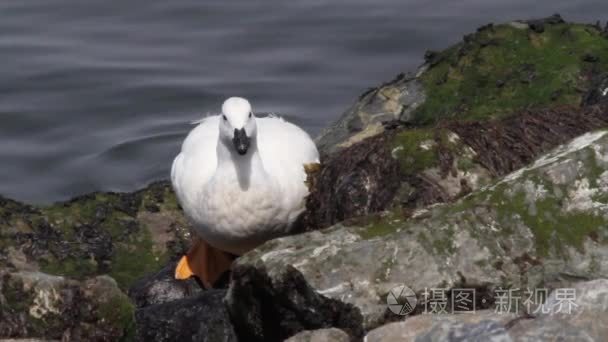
237 124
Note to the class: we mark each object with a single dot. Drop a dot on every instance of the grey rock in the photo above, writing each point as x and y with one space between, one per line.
321 335
200 318
395 100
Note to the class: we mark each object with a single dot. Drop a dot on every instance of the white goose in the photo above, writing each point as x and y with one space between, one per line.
240 180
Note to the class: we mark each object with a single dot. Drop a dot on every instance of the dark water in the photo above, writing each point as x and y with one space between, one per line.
97 95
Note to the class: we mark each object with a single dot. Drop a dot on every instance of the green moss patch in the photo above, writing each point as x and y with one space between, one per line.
502 69
99 233
135 258
415 149
119 312
378 225
70 267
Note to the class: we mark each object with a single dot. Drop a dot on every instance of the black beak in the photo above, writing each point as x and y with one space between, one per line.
241 141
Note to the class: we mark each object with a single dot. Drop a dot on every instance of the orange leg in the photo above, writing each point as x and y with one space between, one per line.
203 261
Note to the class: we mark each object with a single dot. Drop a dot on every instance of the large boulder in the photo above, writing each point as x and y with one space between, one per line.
492 73
541 226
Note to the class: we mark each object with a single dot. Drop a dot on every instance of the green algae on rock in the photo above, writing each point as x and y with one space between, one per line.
503 69
64 268
123 235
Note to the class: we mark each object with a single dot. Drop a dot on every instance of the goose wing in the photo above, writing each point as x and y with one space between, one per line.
284 149
197 161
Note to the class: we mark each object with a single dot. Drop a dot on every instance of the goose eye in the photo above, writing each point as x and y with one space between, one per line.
250 114
224 117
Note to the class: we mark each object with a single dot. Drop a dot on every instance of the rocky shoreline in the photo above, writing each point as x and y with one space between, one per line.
486 171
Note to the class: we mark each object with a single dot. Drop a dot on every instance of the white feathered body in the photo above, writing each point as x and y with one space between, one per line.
236 205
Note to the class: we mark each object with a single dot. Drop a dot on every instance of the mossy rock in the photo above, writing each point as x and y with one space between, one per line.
541 226
123 235
504 69
496 72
